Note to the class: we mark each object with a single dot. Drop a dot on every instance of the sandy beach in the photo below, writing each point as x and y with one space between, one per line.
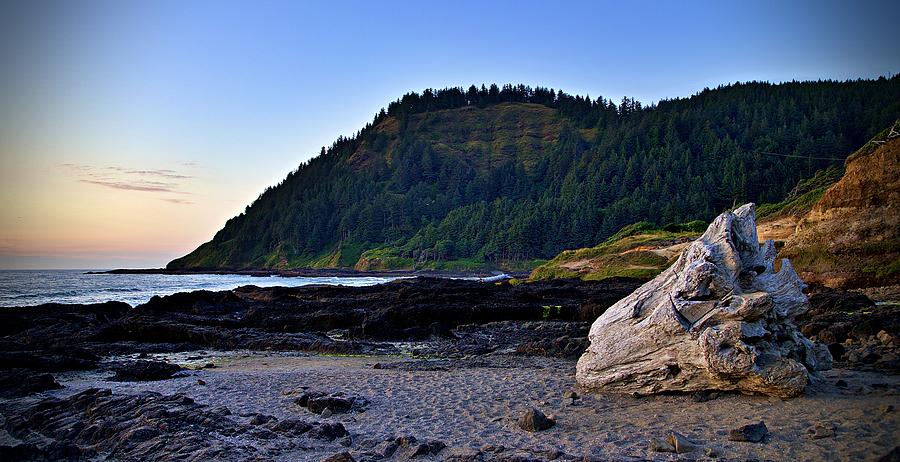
471 405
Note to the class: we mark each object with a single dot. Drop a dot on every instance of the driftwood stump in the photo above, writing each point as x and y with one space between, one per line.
719 319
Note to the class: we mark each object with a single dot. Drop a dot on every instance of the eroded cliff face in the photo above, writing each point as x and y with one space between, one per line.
851 237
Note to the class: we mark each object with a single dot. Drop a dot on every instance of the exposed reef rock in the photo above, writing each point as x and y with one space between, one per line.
720 318
97 424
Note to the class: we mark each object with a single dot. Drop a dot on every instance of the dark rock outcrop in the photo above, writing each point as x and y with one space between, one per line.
858 333
21 382
139 371
145 426
67 337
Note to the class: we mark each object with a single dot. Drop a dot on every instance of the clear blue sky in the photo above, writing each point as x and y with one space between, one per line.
131 130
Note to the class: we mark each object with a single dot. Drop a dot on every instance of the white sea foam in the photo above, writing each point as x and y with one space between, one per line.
23 288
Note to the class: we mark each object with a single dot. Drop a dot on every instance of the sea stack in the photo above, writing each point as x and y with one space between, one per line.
720 318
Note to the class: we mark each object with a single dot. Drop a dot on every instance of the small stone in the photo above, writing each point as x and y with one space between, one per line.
892 456
681 443
345 441
201 382
752 433
428 449
260 419
386 448
407 441
570 395
636 395
700 397
820 430
887 409
339 457
326 413
661 445
377 366
841 383
534 420
337 404
710 452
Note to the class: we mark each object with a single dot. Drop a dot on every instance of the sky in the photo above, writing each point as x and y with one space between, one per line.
130 131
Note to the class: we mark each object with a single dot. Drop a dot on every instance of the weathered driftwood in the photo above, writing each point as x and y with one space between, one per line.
719 319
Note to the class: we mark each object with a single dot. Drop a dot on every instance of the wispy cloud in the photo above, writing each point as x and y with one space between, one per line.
159 180
162 173
145 186
175 200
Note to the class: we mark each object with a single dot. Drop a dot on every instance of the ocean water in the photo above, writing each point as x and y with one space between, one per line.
33 287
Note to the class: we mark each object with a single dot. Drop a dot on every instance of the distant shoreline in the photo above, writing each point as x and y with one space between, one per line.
312 272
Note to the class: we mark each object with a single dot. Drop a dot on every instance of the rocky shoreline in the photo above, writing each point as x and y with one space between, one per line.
323 272
230 375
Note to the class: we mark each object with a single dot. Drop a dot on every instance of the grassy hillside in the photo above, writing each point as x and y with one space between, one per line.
802 198
641 250
504 177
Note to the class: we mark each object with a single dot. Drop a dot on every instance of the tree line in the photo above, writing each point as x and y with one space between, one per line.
607 166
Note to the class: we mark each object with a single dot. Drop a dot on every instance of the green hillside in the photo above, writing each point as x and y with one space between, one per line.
492 177
641 250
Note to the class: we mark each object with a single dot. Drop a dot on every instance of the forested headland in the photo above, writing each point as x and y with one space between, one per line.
505 176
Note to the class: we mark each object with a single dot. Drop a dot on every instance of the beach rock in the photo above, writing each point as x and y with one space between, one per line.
720 318
820 430
858 335
429 448
318 403
261 419
303 399
892 456
386 448
145 426
340 457
534 420
294 427
571 395
661 445
328 431
14 355
21 382
752 433
138 371
681 444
